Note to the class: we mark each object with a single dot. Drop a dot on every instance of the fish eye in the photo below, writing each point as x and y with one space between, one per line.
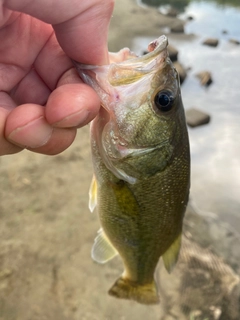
164 101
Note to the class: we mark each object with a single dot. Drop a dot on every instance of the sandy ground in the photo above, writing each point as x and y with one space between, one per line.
46 229
46 233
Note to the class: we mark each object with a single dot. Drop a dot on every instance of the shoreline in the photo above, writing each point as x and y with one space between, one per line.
131 20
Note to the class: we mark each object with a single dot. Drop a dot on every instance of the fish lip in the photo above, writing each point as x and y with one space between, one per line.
159 44
155 48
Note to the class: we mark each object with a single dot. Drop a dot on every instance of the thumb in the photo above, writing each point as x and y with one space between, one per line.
84 38
81 26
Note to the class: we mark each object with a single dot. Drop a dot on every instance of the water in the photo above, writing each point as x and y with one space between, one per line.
210 19
215 148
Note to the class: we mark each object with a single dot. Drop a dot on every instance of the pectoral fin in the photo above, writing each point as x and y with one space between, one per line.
170 257
92 195
102 250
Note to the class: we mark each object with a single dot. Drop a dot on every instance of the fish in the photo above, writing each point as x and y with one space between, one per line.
141 163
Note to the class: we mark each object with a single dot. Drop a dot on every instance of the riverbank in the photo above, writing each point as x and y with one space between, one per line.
130 20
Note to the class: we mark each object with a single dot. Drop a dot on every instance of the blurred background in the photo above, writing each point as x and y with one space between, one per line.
46 230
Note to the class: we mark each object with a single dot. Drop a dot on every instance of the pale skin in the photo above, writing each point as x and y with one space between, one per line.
42 99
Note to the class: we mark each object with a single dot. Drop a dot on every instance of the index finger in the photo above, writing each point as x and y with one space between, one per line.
81 26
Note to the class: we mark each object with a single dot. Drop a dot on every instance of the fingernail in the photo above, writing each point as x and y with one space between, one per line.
33 135
79 118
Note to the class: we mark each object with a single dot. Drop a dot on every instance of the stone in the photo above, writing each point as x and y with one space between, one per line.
173 53
203 284
205 78
212 42
195 117
181 71
177 27
234 41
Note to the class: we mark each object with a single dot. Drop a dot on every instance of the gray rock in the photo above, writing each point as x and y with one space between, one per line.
205 78
177 27
203 284
234 41
173 53
195 117
181 71
212 42
207 230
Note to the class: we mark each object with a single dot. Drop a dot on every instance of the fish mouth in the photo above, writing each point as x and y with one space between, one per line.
125 56
156 48
126 68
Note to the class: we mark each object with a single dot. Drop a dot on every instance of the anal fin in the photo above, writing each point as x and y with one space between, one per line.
170 257
102 250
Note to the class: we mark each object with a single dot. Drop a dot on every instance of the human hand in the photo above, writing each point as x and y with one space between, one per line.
42 99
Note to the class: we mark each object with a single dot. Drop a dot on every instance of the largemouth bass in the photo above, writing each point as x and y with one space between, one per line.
141 162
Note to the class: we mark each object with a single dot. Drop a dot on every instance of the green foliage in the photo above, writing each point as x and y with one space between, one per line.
181 4
178 4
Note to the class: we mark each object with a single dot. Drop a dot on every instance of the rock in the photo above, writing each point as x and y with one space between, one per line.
202 285
177 27
205 78
234 41
190 18
212 42
195 117
181 71
173 53
208 230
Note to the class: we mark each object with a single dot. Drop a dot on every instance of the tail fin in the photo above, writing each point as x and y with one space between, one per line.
125 289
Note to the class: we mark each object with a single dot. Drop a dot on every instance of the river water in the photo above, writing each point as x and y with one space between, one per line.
215 148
